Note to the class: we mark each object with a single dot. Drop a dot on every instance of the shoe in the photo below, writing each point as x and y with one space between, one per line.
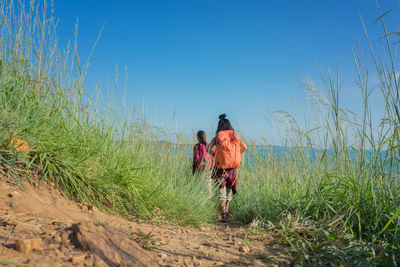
224 217
227 215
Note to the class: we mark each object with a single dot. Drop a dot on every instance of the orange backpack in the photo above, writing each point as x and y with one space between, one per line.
228 150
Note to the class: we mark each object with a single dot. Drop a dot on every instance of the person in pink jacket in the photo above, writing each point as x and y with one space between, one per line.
202 160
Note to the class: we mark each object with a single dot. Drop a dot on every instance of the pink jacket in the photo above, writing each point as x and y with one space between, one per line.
202 160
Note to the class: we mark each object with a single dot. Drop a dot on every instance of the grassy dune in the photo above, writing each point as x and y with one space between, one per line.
339 204
77 142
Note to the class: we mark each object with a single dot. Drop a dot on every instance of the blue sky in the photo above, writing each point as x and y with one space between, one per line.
189 61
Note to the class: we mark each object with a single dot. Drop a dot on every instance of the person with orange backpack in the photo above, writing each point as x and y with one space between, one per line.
227 161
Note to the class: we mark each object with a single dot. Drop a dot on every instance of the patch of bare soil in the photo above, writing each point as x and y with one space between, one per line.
40 227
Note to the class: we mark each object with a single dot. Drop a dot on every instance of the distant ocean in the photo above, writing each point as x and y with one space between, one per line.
315 154
287 152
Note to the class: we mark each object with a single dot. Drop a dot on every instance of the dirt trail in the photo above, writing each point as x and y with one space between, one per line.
27 214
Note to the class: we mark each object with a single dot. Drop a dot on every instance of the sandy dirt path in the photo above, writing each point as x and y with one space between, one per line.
27 214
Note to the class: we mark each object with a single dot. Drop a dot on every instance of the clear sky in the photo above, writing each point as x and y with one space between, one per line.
190 60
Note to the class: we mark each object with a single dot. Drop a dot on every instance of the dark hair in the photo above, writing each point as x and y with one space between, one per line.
223 124
201 135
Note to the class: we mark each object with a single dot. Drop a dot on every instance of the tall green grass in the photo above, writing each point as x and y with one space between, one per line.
77 142
349 190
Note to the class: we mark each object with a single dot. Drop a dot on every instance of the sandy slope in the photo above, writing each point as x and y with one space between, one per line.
27 213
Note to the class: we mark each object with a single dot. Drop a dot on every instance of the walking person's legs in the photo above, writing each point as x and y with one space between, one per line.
223 202
225 196
228 201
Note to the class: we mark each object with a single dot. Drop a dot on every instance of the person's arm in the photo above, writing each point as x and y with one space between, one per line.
195 158
243 147
210 146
